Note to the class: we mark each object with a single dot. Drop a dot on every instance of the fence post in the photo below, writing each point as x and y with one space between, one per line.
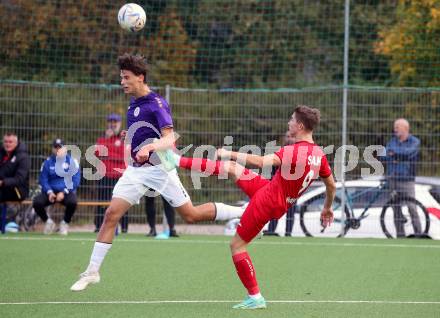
165 226
344 108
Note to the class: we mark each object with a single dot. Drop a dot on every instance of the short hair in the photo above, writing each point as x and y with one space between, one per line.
134 63
308 116
9 134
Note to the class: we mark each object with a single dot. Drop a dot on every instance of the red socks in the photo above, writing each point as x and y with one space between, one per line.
201 165
246 272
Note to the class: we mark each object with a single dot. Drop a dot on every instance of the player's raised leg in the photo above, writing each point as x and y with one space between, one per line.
168 184
118 207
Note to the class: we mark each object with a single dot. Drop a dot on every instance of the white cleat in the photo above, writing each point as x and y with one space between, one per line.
85 279
49 228
64 228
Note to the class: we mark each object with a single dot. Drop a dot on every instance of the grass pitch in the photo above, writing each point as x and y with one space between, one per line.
193 276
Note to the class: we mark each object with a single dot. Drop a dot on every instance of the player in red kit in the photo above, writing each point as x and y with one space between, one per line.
299 165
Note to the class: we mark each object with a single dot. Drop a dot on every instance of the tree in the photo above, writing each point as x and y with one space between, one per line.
412 43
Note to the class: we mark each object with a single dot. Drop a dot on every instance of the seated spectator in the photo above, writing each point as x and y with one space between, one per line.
14 169
54 188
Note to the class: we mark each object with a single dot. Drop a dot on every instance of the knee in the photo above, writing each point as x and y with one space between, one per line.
237 245
231 166
190 219
233 245
71 204
111 217
234 169
37 203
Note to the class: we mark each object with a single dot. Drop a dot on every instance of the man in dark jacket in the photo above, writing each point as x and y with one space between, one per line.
54 188
402 156
14 169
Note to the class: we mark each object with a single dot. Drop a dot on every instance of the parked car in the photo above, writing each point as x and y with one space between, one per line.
375 222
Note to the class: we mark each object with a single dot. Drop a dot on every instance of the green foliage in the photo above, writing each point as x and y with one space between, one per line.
411 43
221 44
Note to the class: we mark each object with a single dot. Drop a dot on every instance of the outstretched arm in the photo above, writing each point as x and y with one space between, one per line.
248 159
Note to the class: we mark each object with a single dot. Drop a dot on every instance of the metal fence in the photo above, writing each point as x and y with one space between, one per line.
39 112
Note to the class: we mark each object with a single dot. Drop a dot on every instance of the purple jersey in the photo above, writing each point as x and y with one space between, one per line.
146 117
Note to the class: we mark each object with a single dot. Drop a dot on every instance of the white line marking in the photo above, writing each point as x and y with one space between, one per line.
148 302
257 242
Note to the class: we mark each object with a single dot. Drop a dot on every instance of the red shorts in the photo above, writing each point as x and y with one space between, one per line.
258 212
251 182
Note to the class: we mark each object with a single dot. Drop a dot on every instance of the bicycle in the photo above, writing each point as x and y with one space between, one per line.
351 220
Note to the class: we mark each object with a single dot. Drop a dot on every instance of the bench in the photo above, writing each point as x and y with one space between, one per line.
29 202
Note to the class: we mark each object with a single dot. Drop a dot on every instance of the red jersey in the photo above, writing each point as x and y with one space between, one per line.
301 164
115 158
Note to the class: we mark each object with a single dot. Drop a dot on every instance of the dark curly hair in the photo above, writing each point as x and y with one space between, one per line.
134 63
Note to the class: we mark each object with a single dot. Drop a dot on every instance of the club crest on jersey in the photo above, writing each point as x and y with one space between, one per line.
314 160
13 159
136 112
117 143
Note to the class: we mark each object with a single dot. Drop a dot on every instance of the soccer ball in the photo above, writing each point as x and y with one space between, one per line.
131 17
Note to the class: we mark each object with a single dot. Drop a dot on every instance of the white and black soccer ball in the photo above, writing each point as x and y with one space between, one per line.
131 17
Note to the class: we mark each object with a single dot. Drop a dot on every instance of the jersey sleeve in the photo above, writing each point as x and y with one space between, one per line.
324 170
280 153
163 114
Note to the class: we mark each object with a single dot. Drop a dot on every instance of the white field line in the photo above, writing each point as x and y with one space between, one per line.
257 242
150 302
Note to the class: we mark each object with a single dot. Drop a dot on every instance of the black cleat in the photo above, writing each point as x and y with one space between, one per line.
173 233
152 233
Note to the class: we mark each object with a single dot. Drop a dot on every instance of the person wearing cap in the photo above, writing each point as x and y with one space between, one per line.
14 169
54 189
112 166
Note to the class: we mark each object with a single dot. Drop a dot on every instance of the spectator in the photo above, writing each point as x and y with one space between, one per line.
54 188
14 169
402 154
113 164
170 214
287 139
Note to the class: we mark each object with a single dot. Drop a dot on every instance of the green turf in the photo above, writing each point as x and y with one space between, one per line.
35 268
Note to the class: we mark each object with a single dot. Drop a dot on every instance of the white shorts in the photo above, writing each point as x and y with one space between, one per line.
137 182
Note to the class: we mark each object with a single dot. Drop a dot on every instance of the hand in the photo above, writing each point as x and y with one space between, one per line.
61 152
59 196
109 133
143 154
52 197
223 153
123 134
326 217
